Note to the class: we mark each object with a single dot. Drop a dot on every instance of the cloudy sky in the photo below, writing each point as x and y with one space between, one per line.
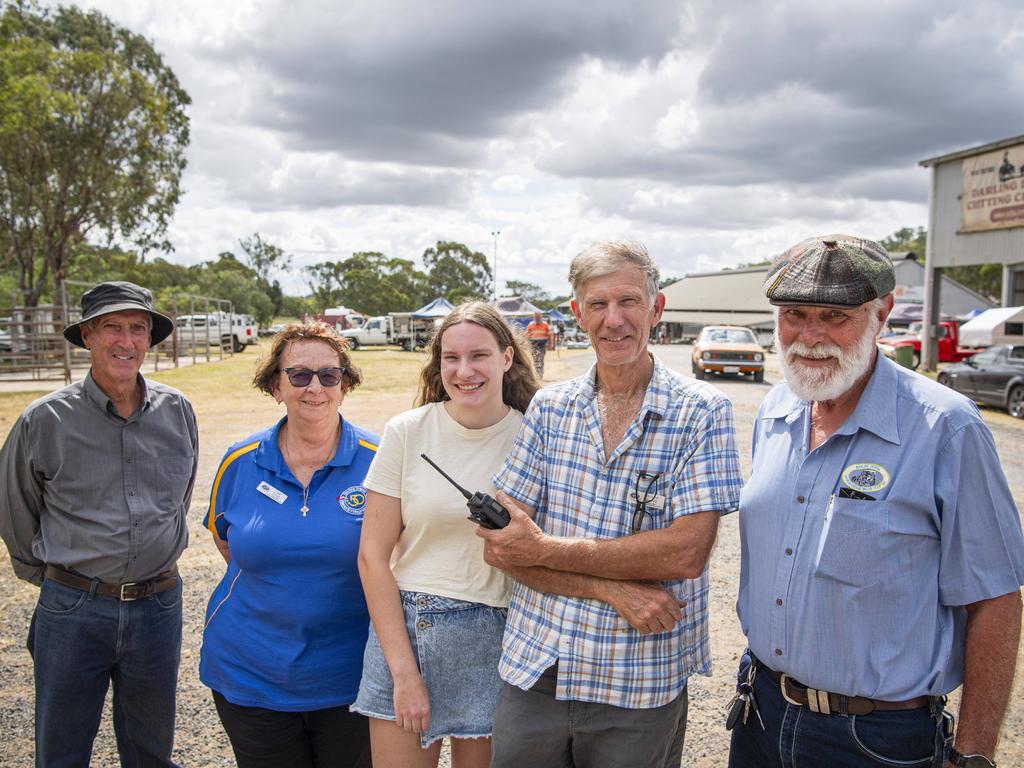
714 132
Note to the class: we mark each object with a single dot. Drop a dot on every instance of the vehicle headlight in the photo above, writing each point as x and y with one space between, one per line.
758 357
706 356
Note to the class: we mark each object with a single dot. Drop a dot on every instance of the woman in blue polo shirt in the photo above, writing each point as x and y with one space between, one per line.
286 627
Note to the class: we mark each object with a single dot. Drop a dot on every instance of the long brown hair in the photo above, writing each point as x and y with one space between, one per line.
519 382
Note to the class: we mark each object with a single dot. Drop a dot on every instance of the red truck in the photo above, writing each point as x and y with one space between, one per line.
949 351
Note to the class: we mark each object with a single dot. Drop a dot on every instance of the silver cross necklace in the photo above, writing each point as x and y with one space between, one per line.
305 488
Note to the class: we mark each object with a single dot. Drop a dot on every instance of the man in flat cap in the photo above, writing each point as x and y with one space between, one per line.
97 479
882 553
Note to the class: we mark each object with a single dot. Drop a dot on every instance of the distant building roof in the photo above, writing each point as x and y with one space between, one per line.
972 151
736 296
726 297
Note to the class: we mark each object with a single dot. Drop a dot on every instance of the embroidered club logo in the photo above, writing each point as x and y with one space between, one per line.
866 477
353 500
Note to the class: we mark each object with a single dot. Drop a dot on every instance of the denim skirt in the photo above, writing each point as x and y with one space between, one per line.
457 646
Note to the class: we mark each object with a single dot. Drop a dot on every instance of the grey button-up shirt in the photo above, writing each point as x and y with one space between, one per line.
90 491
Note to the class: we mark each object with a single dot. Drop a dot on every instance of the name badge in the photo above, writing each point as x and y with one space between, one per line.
271 492
653 502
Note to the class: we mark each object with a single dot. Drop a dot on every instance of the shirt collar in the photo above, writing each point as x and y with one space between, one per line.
657 399
876 410
100 398
269 455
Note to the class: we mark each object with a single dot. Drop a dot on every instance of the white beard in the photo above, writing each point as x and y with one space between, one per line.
827 382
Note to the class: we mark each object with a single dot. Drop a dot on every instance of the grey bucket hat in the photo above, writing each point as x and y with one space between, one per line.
119 296
839 271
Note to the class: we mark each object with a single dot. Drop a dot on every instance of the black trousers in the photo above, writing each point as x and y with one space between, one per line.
323 738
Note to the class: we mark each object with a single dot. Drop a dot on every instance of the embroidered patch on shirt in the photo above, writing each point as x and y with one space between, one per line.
866 477
353 500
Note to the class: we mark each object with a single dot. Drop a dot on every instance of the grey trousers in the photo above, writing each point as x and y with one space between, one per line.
532 728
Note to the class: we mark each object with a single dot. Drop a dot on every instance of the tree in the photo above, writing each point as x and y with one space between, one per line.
532 292
265 259
324 280
456 272
907 239
93 132
376 284
228 278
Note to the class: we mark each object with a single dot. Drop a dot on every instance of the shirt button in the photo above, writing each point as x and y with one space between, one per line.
800 499
421 602
778 651
423 624
778 601
789 551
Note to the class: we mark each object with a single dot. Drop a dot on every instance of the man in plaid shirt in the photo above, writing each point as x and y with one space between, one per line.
614 485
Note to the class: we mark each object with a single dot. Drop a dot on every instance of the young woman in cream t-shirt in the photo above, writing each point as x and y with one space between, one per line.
431 664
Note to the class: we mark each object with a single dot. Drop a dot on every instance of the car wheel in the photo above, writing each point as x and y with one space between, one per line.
1015 402
353 343
409 345
943 379
915 360
236 345
699 372
693 366
759 376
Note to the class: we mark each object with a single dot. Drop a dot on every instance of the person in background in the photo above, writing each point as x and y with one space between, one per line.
538 333
285 628
97 480
431 664
881 551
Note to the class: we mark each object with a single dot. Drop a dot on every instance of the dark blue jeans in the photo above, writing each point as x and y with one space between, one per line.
795 737
80 644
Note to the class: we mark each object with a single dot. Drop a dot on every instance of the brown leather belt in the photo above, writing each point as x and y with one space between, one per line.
826 703
132 590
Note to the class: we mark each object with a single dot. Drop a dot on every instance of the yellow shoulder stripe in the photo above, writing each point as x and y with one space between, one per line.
366 444
212 515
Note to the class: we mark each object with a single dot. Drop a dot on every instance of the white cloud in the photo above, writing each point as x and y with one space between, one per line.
716 133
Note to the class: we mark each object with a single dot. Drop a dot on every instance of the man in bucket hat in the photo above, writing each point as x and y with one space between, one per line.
97 480
881 551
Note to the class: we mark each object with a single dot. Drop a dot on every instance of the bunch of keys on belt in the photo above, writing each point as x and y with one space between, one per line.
744 701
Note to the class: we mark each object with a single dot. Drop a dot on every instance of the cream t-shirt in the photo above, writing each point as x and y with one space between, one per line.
438 551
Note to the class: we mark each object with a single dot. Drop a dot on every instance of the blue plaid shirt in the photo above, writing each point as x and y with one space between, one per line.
684 435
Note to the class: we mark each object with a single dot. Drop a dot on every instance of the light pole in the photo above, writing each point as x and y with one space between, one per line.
495 234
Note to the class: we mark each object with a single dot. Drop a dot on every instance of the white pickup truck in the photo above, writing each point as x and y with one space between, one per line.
397 329
232 330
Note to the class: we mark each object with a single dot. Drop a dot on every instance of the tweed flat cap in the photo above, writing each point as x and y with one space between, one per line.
119 296
832 271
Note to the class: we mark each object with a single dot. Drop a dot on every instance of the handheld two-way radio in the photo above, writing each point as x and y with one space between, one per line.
484 510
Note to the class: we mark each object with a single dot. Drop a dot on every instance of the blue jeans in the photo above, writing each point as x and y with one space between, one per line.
80 643
795 737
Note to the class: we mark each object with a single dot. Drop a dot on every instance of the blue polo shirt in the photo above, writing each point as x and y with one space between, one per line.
864 596
286 626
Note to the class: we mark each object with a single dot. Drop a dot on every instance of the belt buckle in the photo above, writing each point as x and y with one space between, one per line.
131 585
782 687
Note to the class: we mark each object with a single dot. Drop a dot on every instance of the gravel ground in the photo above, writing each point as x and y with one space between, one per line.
200 740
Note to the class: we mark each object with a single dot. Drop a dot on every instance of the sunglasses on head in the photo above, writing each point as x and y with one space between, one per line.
301 377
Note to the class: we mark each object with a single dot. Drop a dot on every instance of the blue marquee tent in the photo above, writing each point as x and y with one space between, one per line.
439 307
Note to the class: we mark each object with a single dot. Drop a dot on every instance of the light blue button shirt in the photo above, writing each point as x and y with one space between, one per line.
865 596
